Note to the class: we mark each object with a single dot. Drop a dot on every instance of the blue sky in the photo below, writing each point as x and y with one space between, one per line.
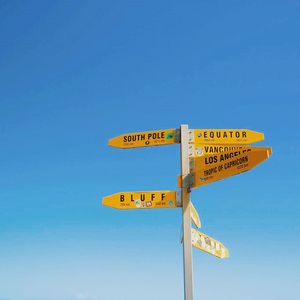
73 75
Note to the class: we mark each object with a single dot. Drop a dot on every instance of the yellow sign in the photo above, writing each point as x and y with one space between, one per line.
210 168
195 217
225 136
204 161
140 200
208 244
144 139
196 150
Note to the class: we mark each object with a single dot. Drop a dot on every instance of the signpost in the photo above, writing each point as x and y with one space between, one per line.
186 216
207 155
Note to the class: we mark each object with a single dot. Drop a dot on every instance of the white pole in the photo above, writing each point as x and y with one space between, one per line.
186 216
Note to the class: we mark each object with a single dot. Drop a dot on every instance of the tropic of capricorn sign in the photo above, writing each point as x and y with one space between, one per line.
207 155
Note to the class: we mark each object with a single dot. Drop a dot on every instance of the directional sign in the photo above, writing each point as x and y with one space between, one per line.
195 217
140 200
210 168
204 161
196 150
147 138
225 136
208 244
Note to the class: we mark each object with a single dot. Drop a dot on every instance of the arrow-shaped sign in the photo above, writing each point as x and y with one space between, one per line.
196 150
140 200
195 217
207 160
225 136
208 244
146 138
210 168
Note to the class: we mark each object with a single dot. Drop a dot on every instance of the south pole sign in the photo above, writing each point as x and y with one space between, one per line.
207 155
146 138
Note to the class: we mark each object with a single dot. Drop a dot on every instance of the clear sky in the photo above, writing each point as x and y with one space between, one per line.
74 74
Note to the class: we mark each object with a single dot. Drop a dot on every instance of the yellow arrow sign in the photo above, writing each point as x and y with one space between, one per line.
196 150
202 162
147 138
210 168
195 217
140 200
208 244
225 136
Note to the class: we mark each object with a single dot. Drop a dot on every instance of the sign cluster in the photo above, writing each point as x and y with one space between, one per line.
213 154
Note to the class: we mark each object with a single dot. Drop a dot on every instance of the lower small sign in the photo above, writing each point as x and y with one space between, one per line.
140 200
195 217
208 244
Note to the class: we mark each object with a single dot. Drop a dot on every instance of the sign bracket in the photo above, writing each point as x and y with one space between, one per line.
177 137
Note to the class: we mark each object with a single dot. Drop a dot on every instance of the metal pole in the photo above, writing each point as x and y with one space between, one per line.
186 216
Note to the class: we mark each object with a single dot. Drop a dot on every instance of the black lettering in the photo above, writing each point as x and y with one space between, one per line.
223 157
210 171
122 198
236 162
210 159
